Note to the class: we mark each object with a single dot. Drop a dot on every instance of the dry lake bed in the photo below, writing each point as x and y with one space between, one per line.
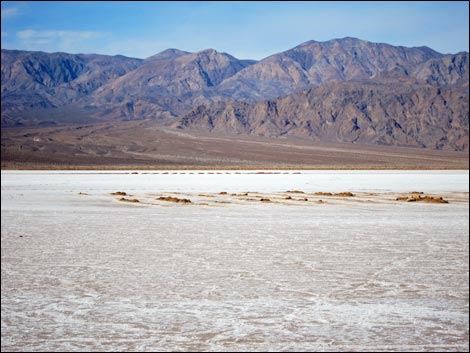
235 261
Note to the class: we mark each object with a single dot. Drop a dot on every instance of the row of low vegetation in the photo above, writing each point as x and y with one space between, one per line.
415 196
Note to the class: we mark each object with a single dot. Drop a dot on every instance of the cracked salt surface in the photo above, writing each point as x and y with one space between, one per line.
93 274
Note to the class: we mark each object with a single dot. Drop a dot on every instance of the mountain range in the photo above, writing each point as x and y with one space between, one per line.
342 90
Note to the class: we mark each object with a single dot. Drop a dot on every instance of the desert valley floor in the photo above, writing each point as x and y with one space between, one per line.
147 144
253 260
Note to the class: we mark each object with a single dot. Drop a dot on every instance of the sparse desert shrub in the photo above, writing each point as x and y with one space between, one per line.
419 198
128 200
344 194
174 199
339 194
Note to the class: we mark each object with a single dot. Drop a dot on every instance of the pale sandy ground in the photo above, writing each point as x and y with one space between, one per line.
229 272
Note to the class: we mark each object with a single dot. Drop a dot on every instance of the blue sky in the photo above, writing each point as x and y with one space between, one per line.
247 30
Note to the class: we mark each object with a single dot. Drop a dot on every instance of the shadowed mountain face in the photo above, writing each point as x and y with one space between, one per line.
345 90
37 80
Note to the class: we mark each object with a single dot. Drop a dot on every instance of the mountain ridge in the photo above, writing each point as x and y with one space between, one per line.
41 88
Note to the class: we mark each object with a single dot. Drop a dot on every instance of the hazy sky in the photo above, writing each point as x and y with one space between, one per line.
247 30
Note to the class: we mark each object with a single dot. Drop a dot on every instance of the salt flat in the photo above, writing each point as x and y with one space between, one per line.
83 271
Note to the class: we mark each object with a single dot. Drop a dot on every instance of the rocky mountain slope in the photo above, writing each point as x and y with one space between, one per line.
313 63
167 84
368 112
345 90
33 81
393 109
445 71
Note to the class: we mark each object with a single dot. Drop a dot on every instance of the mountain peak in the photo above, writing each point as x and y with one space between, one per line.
209 51
334 40
350 39
166 54
213 54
